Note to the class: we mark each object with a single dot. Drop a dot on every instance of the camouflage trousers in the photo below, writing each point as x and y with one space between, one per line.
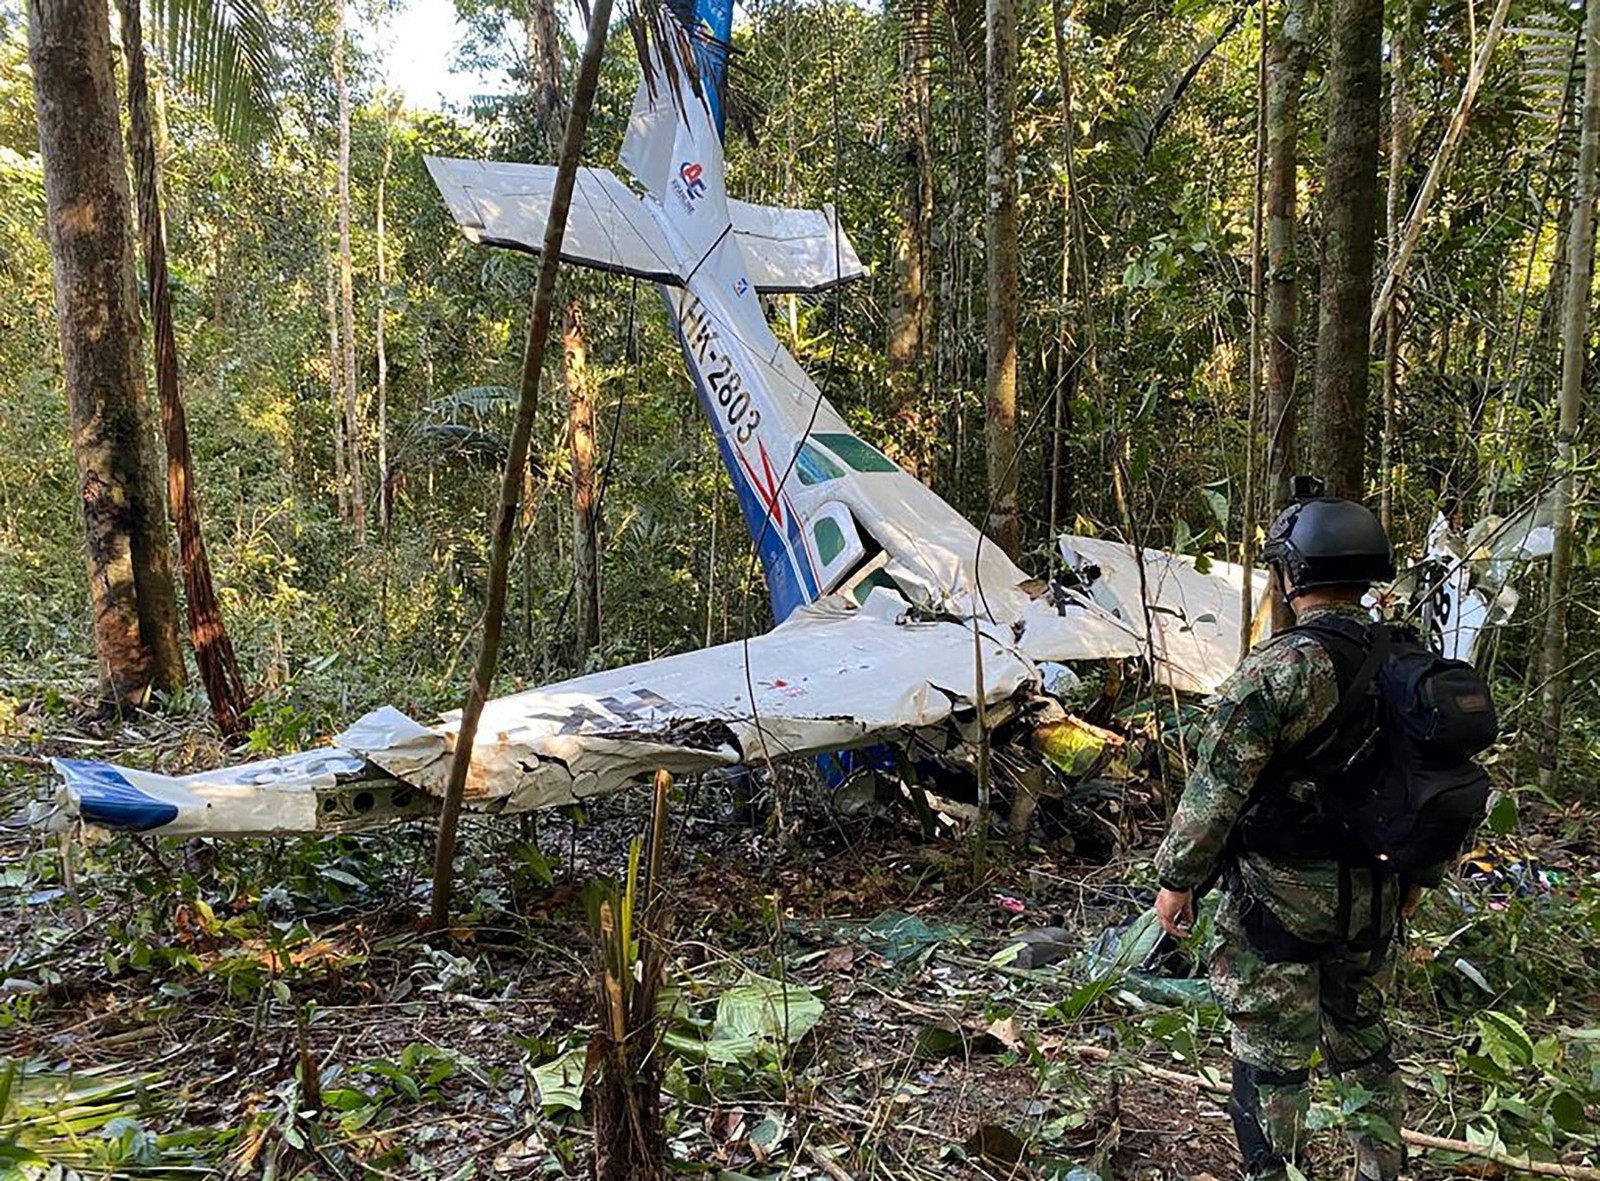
1281 1010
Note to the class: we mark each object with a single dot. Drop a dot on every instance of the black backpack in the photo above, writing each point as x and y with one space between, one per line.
1397 785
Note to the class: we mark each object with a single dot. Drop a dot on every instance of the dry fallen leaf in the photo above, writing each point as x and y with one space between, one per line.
1005 1031
839 959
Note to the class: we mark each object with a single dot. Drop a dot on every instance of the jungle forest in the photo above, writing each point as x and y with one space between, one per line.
673 653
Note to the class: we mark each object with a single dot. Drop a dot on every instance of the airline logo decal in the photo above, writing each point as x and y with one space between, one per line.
689 185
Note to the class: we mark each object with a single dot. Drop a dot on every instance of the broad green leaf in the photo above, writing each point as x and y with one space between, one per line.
756 1018
560 1081
1503 815
1569 1112
763 1009
1505 1040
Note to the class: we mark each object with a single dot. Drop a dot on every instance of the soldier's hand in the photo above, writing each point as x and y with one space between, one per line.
1175 912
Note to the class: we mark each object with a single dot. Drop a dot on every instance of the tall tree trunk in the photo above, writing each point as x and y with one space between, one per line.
86 213
341 485
1059 489
1258 301
516 461
1002 264
380 340
1349 220
544 72
585 505
1574 355
347 299
213 650
1399 145
1286 71
908 300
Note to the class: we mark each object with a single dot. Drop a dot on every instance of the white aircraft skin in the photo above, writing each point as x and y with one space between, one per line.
826 511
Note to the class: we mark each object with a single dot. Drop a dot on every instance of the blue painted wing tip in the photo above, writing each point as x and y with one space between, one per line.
106 798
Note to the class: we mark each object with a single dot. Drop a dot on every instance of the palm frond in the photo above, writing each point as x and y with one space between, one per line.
1549 75
223 52
475 400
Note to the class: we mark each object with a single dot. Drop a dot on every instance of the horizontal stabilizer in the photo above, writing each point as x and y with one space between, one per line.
610 229
794 251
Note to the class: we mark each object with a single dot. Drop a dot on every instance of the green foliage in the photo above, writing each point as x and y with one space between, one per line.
757 1020
225 52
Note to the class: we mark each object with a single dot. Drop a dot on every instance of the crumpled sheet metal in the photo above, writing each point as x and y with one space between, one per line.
1194 617
253 799
1466 583
826 680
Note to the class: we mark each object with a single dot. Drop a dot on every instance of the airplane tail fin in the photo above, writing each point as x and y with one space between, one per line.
709 24
674 141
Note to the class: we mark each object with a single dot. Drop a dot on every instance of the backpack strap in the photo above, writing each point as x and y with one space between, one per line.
1357 652
1377 640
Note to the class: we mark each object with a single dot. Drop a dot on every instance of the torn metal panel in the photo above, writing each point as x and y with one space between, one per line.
1073 629
830 679
1463 588
1185 621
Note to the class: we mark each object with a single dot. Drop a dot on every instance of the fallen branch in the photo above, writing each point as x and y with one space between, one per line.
1522 1164
1412 232
827 1164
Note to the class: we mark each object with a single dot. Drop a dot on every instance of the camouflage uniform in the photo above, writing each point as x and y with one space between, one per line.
1299 955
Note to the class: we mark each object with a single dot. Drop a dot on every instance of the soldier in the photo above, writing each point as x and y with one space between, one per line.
1304 925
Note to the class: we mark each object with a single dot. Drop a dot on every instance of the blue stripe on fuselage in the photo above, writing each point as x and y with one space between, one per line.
790 580
106 798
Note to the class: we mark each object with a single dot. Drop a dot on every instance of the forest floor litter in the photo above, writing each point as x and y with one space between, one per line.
843 1003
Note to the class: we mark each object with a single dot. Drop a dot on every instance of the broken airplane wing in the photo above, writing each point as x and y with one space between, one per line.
832 677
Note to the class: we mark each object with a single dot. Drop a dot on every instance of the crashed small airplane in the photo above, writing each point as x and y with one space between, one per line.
888 602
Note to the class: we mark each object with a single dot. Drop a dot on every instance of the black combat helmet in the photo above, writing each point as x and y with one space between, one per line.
1328 541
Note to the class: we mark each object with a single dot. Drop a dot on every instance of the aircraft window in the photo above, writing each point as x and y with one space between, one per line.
860 456
830 539
815 467
877 578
